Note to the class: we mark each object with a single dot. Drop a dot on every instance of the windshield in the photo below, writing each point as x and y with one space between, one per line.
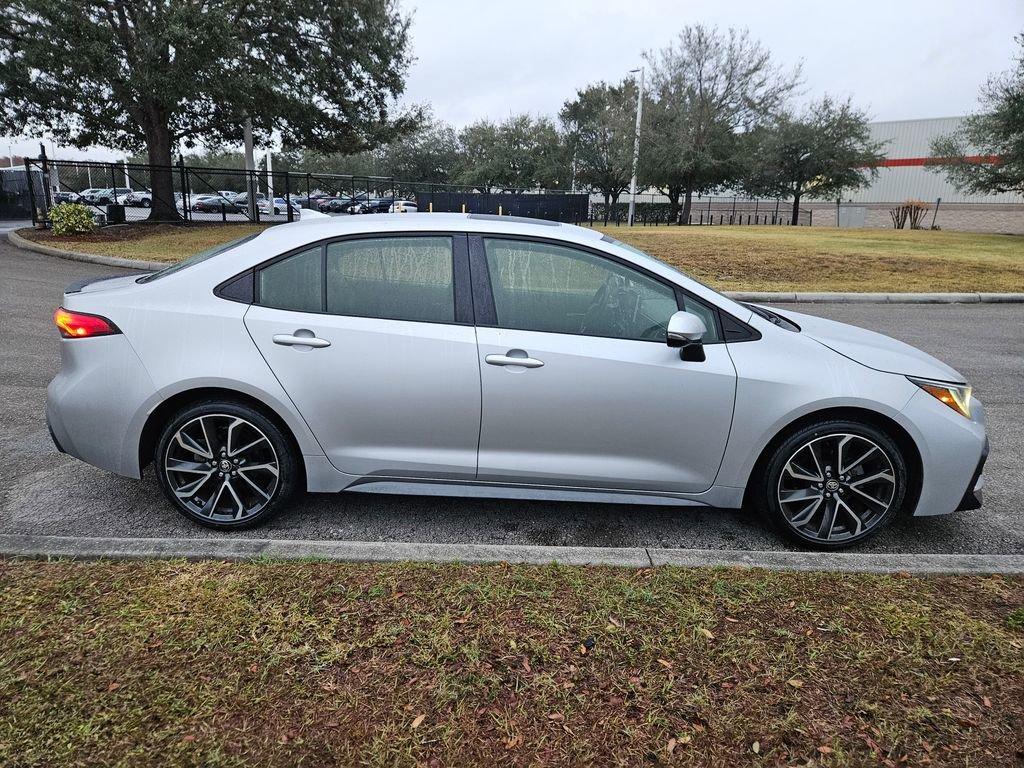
638 252
191 260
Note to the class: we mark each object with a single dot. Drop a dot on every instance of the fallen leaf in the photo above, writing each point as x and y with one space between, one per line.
795 683
685 738
731 620
707 633
756 747
556 716
526 664
188 737
671 746
613 620
986 701
514 742
825 750
418 721
666 664
113 687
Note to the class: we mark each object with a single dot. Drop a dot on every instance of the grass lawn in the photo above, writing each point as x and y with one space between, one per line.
283 664
159 242
823 259
727 258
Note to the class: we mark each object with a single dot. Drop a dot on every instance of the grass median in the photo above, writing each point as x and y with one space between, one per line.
727 258
123 663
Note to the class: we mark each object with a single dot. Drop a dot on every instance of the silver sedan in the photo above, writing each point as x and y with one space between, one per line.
499 357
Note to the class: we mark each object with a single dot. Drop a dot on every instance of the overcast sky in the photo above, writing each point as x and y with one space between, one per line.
898 59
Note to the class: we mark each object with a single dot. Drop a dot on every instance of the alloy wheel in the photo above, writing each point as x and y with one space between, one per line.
221 467
836 487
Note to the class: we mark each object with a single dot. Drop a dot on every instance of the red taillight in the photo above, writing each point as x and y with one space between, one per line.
79 325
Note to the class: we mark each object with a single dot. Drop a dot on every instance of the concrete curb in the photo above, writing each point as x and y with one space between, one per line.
16 545
110 261
765 297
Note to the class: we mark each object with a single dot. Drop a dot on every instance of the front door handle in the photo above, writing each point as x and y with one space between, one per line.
287 340
525 362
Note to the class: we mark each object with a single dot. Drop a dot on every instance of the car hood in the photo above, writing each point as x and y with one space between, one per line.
874 350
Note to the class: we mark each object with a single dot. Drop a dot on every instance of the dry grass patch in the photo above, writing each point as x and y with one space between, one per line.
283 664
821 259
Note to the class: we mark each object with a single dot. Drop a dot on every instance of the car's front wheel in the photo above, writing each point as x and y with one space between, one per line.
225 465
834 484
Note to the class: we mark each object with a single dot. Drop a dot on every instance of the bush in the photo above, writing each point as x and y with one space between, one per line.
71 219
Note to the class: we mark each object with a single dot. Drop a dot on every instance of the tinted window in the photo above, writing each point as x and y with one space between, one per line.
396 278
542 287
294 283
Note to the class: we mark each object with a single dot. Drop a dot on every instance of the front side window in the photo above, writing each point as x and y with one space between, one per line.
294 283
553 288
395 278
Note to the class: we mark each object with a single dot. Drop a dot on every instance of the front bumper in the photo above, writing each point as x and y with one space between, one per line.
972 497
952 451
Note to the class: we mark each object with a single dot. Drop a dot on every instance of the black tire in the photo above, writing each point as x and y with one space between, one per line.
255 485
849 500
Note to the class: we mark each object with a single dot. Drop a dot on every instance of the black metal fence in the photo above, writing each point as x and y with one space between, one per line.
705 210
125 192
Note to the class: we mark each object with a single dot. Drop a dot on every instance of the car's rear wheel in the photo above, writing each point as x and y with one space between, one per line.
834 484
225 465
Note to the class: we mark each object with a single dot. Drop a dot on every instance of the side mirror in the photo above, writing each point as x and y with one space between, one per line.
685 331
685 328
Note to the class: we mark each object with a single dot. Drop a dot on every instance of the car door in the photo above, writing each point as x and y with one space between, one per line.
372 338
579 387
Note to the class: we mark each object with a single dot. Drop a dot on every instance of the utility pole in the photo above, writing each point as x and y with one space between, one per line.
250 167
636 144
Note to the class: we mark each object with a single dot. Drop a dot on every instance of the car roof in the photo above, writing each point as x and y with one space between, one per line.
285 236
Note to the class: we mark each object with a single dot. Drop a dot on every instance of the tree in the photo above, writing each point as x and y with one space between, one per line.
134 75
705 87
818 153
428 154
986 156
599 127
519 153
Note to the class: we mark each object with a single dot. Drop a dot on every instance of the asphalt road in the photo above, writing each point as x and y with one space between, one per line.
45 492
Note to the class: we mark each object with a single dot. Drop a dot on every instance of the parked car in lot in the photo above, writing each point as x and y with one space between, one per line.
65 197
335 205
213 204
141 198
499 357
88 195
403 206
281 207
109 196
373 205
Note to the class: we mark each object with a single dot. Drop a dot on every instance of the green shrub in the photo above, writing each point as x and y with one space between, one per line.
71 219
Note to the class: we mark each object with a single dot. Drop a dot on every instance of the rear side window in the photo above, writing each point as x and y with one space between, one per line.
394 278
295 283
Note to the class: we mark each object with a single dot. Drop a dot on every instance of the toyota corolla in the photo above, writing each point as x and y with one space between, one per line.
476 355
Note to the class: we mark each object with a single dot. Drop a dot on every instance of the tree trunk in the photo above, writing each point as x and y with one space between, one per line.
607 207
673 204
796 210
158 146
687 204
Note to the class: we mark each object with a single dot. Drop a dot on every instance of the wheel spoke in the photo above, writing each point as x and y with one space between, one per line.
858 462
240 507
805 494
805 516
272 468
189 489
879 476
244 448
193 467
853 515
190 445
828 521
800 475
255 487
879 502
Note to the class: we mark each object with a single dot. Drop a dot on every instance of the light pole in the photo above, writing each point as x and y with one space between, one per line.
636 144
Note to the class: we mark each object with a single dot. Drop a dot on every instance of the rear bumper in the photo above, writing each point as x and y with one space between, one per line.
972 497
91 402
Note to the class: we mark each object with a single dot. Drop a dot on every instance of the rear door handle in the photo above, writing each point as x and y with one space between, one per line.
287 340
525 362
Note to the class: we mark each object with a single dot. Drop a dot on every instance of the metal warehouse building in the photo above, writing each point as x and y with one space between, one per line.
903 175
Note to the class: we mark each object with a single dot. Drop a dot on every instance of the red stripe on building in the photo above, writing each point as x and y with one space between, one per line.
904 162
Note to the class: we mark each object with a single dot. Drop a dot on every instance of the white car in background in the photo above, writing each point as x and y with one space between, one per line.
403 206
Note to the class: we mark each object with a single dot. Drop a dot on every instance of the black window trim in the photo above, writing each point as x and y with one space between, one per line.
483 295
461 292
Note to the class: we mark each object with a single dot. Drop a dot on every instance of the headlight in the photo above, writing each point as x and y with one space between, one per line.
956 396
